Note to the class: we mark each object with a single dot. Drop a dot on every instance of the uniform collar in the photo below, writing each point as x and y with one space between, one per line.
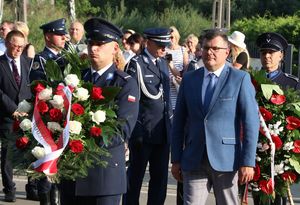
102 70
153 59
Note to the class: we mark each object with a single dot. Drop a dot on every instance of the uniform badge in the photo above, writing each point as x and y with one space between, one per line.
110 76
35 66
131 98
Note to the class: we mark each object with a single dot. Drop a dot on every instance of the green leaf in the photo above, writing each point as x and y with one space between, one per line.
110 93
267 90
53 71
294 161
110 113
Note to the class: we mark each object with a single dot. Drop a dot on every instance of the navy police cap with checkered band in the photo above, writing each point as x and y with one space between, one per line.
161 36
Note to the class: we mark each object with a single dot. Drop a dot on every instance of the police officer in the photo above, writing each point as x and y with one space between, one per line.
104 186
55 39
54 36
149 142
272 47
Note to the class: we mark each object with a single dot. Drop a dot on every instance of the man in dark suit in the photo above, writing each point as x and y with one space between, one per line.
55 39
150 139
54 36
105 185
213 103
14 70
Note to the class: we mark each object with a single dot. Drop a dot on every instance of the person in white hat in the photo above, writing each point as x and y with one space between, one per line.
239 53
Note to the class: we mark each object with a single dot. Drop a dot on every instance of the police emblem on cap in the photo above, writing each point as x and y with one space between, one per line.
35 66
271 41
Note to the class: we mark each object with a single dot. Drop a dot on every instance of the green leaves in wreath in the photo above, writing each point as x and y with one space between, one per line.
294 161
268 89
53 71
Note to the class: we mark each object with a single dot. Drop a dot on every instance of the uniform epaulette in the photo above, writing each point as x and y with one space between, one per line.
135 58
291 77
194 61
123 75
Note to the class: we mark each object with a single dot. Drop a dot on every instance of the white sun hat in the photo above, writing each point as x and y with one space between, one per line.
237 38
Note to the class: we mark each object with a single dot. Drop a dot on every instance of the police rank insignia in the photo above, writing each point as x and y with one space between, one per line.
35 66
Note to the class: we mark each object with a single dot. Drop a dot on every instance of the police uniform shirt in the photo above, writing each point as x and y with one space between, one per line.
283 79
102 70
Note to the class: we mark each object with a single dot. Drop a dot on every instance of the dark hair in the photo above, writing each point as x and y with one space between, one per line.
135 38
14 33
213 33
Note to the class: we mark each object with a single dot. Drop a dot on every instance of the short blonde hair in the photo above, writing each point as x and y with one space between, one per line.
192 37
21 26
175 33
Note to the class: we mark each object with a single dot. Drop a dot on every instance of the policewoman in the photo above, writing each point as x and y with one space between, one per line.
272 47
105 185
150 140
55 39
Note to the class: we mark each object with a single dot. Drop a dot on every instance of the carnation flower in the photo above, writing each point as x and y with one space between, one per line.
99 116
22 142
57 102
76 146
72 80
81 94
24 106
54 127
38 152
45 94
75 127
25 124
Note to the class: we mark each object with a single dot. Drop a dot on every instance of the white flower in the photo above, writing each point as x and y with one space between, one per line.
25 124
275 129
45 94
75 127
99 116
262 147
258 159
81 94
279 168
288 146
72 80
54 127
38 152
57 102
24 106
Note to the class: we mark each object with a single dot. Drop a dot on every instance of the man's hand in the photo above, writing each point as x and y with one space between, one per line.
245 174
16 115
176 171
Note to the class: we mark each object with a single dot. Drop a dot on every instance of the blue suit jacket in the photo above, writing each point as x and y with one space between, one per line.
233 106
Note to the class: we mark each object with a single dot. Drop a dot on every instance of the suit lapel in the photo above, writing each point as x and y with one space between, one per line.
219 86
199 78
7 70
24 72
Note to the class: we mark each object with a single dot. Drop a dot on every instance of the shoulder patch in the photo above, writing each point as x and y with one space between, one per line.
123 75
291 77
135 58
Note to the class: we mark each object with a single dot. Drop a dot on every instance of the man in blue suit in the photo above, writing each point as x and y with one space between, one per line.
214 103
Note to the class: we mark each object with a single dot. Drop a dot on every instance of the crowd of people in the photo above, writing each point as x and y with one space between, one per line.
187 101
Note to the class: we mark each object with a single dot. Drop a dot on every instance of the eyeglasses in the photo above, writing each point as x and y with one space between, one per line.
17 46
213 49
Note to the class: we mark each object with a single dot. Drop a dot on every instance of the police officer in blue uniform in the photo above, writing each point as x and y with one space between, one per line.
149 142
272 47
54 36
104 186
55 39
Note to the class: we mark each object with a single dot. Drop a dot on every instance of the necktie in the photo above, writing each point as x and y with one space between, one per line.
209 91
15 72
95 77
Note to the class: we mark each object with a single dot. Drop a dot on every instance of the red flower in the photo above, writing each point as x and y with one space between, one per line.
16 125
76 146
95 131
97 93
55 115
289 176
38 88
277 99
59 90
256 173
266 186
277 141
293 123
296 146
22 142
267 115
77 109
43 107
